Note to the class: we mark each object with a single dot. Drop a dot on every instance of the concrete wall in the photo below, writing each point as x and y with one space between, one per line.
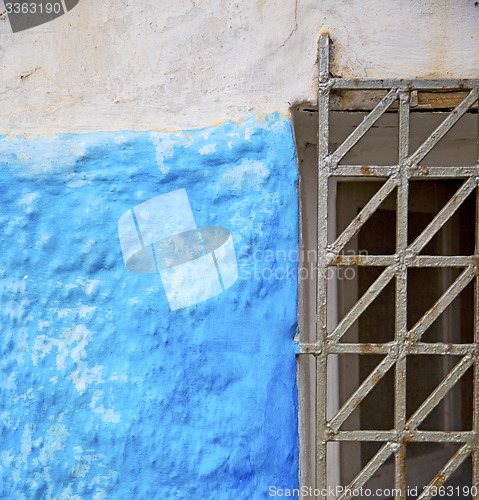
183 64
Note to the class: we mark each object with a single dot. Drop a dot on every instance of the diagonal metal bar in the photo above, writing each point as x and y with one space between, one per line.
438 308
439 392
443 216
368 210
444 127
373 465
442 476
361 392
372 292
364 126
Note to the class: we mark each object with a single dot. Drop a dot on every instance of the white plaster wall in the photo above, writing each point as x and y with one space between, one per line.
179 64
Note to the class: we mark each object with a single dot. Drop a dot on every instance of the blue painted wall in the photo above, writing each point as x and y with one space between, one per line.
104 392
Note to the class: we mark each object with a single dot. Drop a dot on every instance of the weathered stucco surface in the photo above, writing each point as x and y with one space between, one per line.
105 393
183 63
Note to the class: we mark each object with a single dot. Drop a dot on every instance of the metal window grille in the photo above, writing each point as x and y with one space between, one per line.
407 255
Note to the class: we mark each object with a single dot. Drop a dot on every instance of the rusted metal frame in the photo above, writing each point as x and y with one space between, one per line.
380 171
417 348
358 222
441 349
475 383
361 305
373 465
401 300
422 100
446 472
322 267
401 346
423 324
439 392
410 260
365 170
406 84
443 216
368 121
438 308
364 260
411 436
444 172
443 128
440 260
412 349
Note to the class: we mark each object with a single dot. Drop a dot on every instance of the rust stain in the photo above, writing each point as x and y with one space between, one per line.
366 348
370 348
365 169
355 260
424 170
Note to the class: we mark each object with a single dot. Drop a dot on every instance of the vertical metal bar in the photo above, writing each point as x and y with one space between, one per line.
477 135
322 269
475 403
401 299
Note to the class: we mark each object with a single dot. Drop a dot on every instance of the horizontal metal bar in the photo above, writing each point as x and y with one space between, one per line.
405 84
365 100
364 171
453 172
364 260
375 436
434 172
412 349
440 348
440 261
441 436
409 436
340 348
410 261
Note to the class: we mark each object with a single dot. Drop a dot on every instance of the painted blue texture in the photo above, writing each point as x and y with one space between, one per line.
104 392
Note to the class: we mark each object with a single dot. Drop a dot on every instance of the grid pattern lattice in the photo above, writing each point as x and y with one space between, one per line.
407 255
